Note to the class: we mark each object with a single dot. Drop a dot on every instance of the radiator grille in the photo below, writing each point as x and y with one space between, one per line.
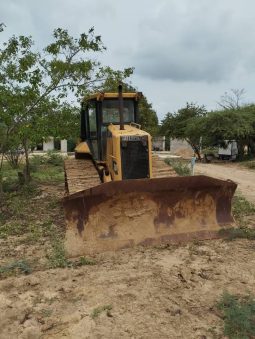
135 159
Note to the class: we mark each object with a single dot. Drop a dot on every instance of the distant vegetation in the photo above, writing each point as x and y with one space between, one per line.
211 129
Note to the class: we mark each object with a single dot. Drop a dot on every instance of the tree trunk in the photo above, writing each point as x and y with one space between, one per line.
251 147
195 149
1 175
240 147
27 173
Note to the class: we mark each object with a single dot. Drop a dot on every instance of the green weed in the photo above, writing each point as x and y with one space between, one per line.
50 158
238 233
249 164
54 158
57 256
182 168
238 315
20 266
241 208
98 310
85 261
29 190
46 313
36 161
49 174
9 178
11 228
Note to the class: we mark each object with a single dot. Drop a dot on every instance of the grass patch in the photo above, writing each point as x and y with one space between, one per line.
54 158
238 315
249 164
46 313
44 168
11 228
238 233
98 310
15 211
48 167
241 208
57 256
49 174
181 167
51 158
85 261
9 177
15 267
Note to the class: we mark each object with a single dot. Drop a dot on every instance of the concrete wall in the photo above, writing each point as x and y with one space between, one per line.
49 145
63 145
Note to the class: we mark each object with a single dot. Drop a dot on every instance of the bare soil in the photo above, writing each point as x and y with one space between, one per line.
153 293
158 292
245 178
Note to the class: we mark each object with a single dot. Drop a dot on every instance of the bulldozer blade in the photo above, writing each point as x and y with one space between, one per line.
121 214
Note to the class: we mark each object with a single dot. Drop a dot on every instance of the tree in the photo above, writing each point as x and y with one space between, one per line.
231 124
232 100
34 86
179 125
148 117
2 145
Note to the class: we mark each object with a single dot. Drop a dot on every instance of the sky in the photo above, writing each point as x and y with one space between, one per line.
182 50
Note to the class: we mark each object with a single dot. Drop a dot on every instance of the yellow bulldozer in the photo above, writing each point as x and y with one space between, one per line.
119 194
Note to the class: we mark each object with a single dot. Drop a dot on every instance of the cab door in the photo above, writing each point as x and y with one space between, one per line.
92 129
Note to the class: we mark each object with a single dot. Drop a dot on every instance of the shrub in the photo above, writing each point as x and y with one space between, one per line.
36 161
54 158
241 208
181 167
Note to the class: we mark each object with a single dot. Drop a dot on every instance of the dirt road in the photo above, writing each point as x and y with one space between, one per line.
243 177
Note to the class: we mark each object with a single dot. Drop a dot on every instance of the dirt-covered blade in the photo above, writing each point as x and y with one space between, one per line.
122 214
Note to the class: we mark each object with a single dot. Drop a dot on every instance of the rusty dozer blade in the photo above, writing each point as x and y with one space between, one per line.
122 214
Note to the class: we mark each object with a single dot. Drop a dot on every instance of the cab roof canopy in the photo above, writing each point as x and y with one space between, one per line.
100 96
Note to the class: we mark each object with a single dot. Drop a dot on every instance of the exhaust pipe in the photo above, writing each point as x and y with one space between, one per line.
121 107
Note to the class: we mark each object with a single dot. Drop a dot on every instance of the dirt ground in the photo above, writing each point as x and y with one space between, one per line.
245 178
158 292
153 293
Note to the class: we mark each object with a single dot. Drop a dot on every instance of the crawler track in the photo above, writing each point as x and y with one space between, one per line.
160 169
81 174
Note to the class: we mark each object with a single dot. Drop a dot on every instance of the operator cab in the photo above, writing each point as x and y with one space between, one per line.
98 112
